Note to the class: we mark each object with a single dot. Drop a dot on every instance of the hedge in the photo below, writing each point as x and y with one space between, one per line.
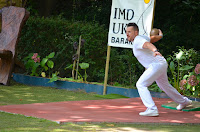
55 34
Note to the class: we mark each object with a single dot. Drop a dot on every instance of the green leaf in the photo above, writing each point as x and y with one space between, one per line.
43 62
29 64
45 68
34 68
69 67
53 79
50 64
171 66
36 65
84 65
188 86
186 67
185 77
51 55
198 78
196 93
28 57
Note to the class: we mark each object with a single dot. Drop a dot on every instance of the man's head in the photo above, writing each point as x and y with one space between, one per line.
132 31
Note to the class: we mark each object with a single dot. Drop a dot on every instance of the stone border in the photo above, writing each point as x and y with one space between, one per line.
40 81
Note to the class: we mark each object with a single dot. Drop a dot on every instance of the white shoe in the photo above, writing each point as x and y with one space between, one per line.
149 112
181 106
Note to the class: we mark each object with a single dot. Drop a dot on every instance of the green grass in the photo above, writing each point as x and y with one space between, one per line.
22 94
111 96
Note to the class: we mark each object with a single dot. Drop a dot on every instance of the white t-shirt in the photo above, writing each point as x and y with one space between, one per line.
145 56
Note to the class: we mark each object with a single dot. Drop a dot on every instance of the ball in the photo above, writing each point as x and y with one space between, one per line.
154 31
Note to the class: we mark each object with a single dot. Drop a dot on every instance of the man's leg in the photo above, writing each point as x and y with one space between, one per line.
164 84
146 79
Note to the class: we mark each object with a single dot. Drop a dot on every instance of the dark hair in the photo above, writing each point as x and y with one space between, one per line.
134 25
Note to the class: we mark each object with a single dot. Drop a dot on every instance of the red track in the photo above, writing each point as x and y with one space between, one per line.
109 110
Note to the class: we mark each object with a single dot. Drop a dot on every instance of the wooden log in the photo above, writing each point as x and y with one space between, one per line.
5 54
13 18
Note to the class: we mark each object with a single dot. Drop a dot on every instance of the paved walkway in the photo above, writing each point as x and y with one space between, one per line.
108 110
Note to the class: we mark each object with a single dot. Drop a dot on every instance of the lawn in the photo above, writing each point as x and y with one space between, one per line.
22 94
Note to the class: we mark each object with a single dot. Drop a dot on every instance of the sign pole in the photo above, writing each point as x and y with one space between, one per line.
153 14
78 52
106 70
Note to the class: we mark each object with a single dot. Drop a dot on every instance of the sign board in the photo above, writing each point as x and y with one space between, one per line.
127 11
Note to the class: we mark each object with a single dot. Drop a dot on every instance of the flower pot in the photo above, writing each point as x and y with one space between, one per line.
98 89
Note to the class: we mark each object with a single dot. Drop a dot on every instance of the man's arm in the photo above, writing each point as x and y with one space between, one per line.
150 46
156 38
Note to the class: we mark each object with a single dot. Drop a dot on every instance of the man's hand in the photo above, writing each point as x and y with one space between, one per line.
150 46
157 53
156 38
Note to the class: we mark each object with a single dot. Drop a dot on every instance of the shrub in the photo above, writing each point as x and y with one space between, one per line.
46 35
55 34
182 65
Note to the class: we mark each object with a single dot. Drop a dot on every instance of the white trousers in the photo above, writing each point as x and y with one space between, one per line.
157 72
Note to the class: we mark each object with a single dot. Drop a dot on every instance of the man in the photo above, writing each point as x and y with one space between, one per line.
156 70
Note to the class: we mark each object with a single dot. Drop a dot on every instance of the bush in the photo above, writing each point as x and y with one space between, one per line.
181 67
46 35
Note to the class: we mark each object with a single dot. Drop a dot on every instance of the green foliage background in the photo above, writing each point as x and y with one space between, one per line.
55 25
180 22
46 35
55 34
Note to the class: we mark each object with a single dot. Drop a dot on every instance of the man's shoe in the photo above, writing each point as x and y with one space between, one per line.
181 106
149 112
